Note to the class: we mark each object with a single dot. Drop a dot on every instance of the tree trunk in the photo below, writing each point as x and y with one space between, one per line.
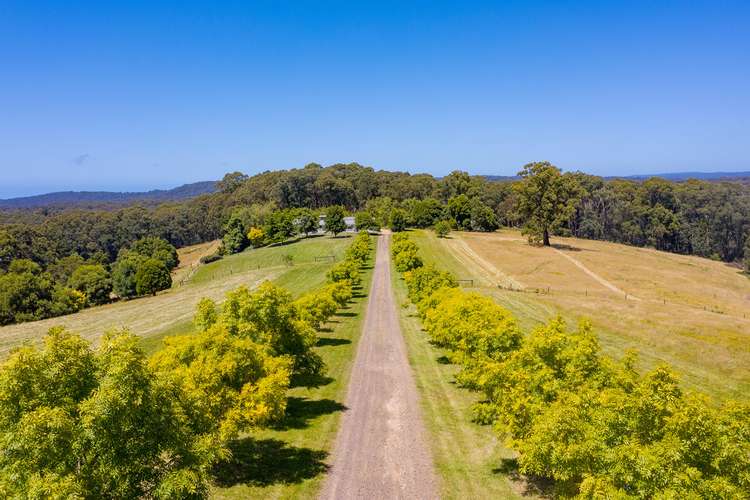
545 237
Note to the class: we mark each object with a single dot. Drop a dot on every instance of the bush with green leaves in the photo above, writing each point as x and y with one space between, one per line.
156 248
346 270
442 228
269 316
79 423
234 238
279 226
365 221
306 221
123 273
26 293
426 280
398 220
359 250
334 220
152 276
93 281
207 259
224 384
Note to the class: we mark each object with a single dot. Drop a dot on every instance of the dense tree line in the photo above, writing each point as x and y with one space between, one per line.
695 217
710 219
29 292
594 425
79 422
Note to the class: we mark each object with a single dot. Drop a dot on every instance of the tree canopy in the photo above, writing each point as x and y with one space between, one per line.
546 200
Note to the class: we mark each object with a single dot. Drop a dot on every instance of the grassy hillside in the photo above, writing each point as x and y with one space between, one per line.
171 311
690 312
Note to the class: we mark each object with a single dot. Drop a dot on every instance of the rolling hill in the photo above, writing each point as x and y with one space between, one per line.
82 199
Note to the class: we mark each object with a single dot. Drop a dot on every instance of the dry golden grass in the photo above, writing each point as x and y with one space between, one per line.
190 259
691 312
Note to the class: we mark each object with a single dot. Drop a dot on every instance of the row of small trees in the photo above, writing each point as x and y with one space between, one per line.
78 422
594 425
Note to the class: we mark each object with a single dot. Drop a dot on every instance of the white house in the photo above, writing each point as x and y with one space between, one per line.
351 226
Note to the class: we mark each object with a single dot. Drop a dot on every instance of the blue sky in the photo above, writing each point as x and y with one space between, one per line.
134 95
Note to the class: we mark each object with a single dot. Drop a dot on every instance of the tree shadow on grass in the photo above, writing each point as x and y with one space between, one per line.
263 462
443 360
309 380
529 485
300 410
563 246
331 341
345 314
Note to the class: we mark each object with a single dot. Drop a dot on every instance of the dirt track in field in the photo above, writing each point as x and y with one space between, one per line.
381 449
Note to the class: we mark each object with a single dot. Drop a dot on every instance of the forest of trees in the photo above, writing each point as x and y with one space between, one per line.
709 219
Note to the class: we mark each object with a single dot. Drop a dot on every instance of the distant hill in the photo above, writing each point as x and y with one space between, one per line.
683 176
675 176
82 199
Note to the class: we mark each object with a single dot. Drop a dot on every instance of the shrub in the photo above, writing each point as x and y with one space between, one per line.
268 316
157 248
207 259
256 237
205 314
152 276
398 220
346 270
407 260
94 281
442 228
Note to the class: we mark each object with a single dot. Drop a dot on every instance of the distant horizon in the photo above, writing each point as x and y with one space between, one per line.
167 185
